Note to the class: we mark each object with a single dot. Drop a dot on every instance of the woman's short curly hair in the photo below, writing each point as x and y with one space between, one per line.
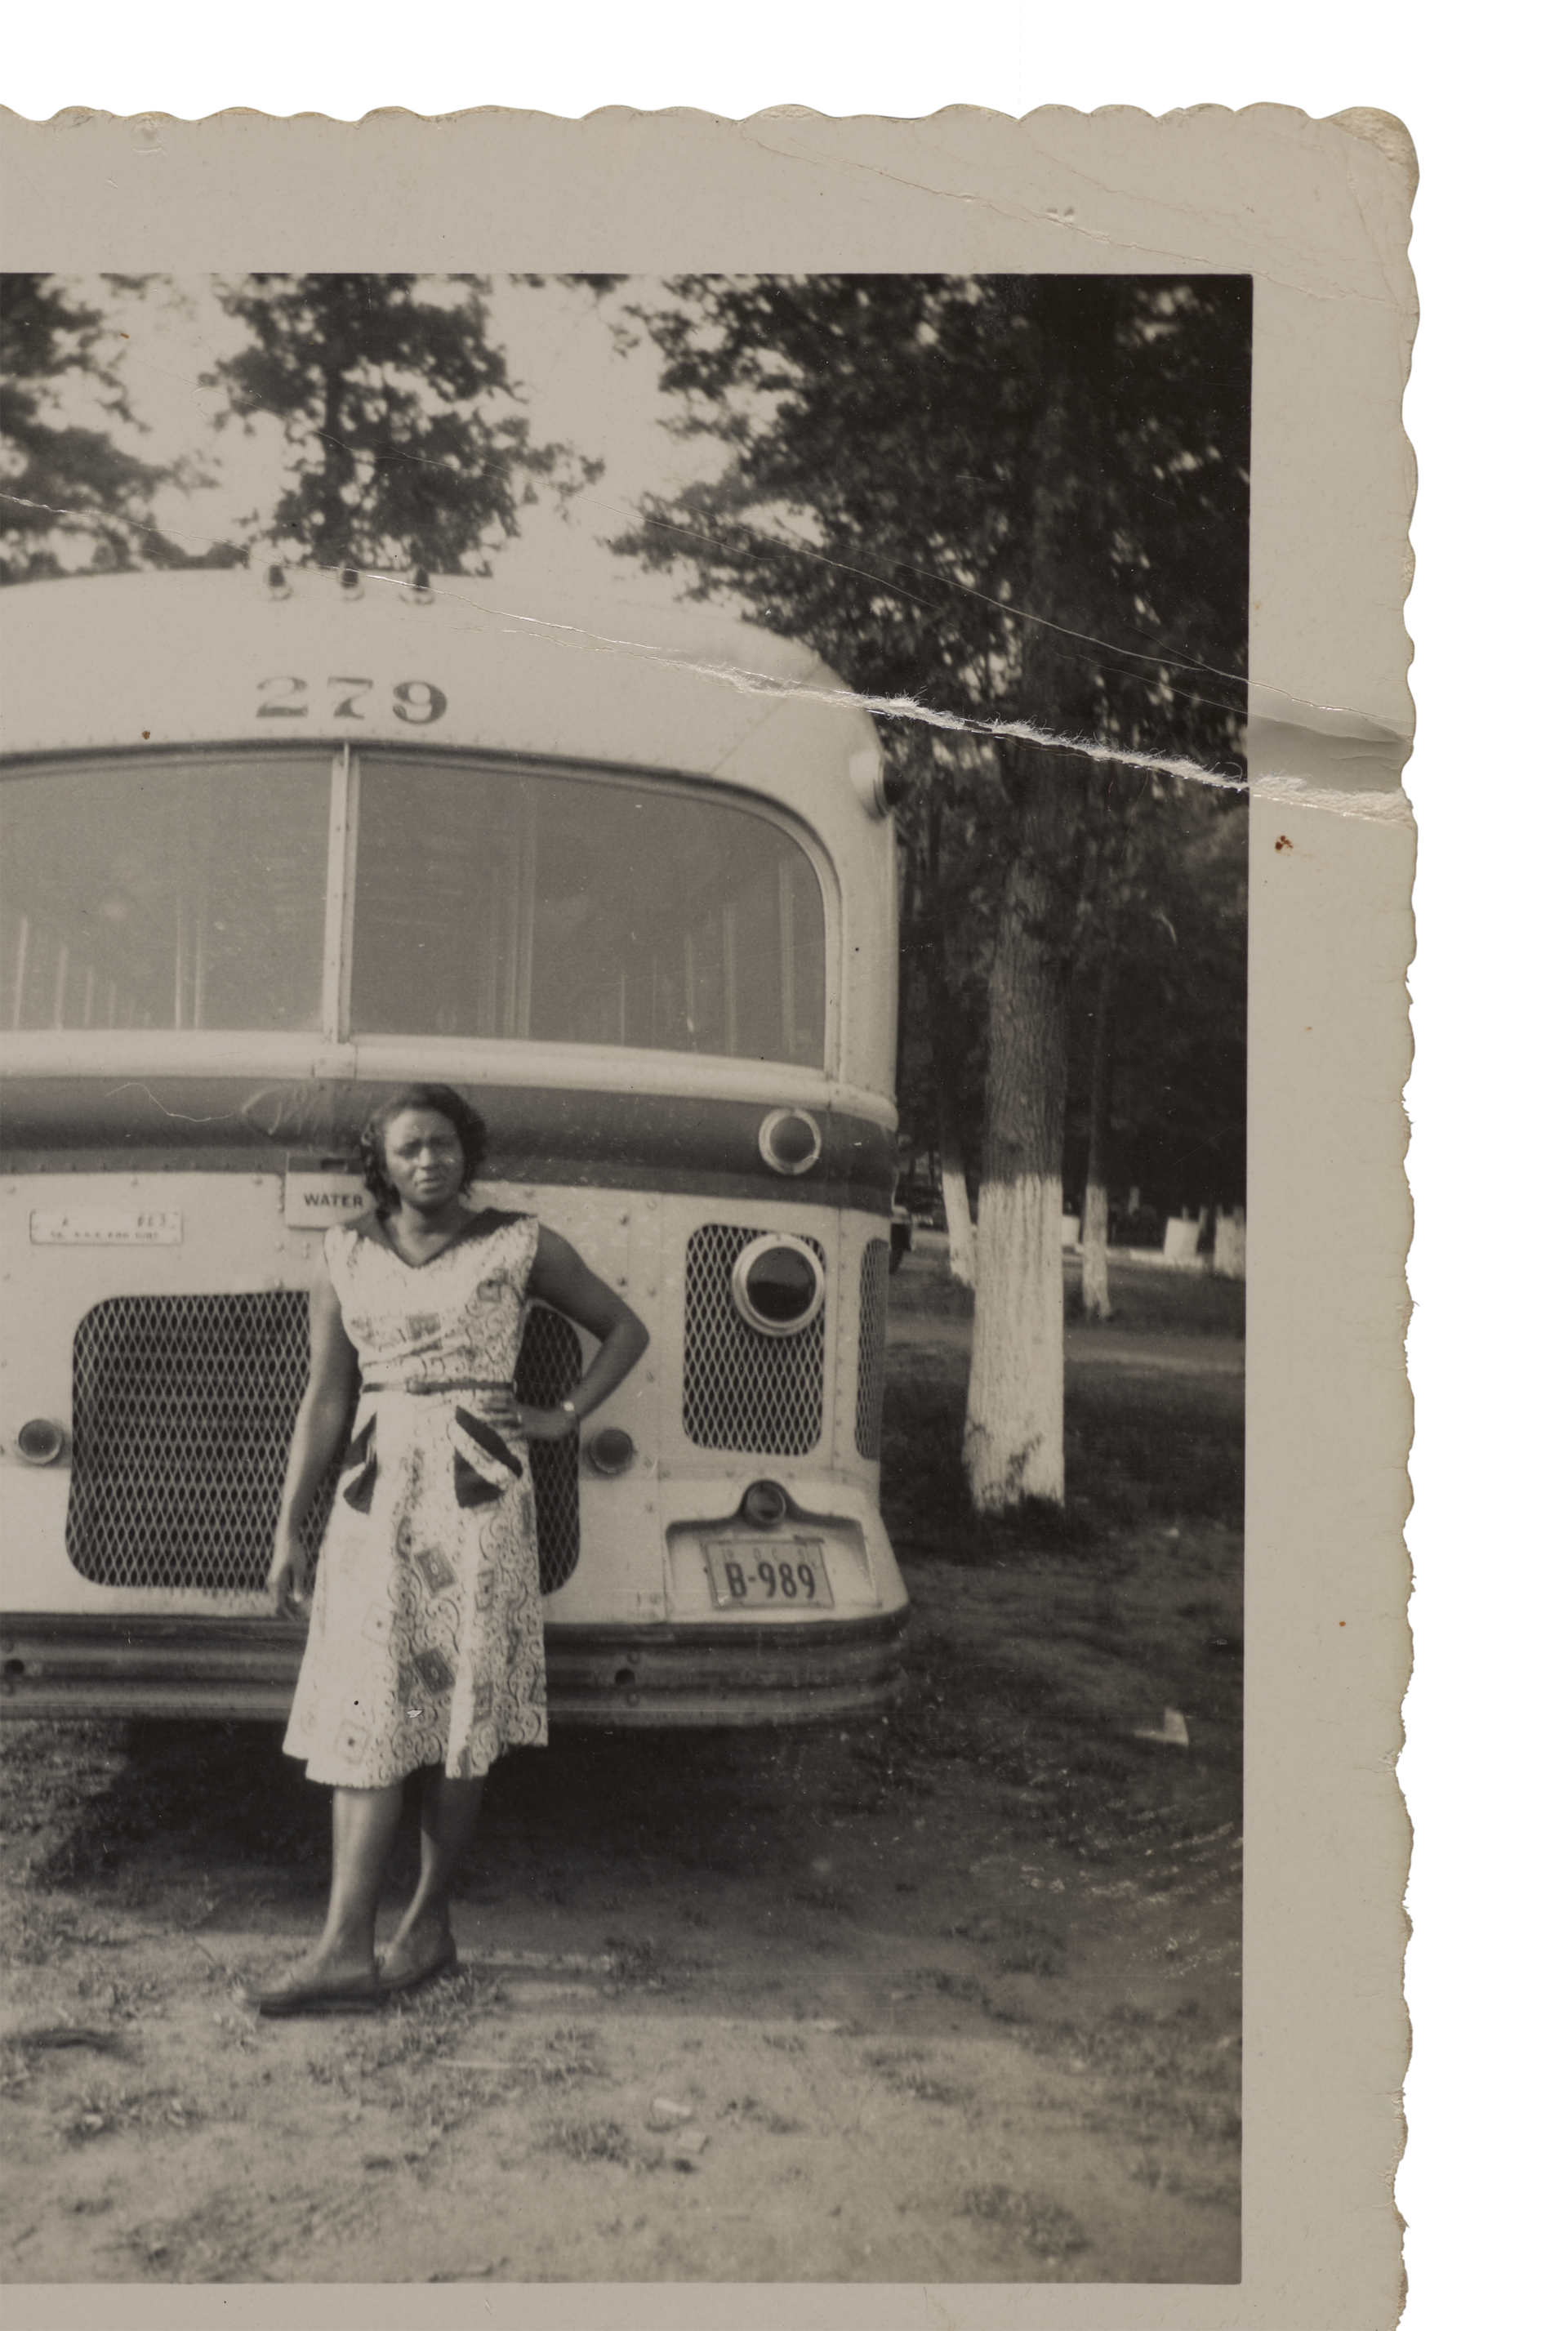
462 1117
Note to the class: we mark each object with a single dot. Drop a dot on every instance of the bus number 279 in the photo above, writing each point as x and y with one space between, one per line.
287 696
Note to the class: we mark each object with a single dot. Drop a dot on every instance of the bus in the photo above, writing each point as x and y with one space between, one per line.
276 841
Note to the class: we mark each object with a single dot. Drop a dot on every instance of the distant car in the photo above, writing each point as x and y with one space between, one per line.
901 1236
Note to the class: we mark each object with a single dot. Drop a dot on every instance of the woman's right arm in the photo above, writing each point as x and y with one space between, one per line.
318 1428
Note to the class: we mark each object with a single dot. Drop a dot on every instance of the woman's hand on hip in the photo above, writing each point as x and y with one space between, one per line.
548 1423
285 1578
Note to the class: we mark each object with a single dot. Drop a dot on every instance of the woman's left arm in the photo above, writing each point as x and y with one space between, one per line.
563 1280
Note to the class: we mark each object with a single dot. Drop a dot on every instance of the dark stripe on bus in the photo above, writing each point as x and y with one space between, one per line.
652 1142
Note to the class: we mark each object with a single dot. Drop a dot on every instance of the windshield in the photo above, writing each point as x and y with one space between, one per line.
590 911
487 900
158 894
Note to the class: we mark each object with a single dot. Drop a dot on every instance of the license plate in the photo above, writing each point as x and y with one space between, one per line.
767 1573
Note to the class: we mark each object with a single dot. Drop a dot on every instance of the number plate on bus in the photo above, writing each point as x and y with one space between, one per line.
767 1573
105 1227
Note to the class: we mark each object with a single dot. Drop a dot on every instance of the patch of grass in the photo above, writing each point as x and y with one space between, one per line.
41 1932
589 2140
1147 1300
221 1790
1050 2231
776 2123
636 1963
823 1897
928 1291
100 2109
1039 1959
414 2030
1222 2193
1139 1447
1159 2070
907 2071
1141 1443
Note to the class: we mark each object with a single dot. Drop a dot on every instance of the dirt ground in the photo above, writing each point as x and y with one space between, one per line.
950 1997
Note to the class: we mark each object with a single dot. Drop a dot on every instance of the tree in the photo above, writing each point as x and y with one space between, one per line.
1175 1105
406 442
941 940
1020 500
72 495
1158 1041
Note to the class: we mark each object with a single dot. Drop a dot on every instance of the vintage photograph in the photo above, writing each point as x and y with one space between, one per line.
626 921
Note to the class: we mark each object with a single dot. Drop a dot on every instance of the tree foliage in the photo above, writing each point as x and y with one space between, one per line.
406 442
891 439
1021 502
73 496
883 435
1177 1106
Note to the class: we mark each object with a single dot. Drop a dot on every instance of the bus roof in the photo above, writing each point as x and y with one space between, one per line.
209 657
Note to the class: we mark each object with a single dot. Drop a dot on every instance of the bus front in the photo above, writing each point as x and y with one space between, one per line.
276 844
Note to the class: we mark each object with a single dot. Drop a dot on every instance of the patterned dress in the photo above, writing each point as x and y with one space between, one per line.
426 1643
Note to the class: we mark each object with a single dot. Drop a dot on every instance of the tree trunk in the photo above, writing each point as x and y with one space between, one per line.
1014 1436
1013 1446
1097 1289
955 1201
945 1062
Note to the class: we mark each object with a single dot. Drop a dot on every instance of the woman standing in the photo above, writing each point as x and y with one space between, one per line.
426 1643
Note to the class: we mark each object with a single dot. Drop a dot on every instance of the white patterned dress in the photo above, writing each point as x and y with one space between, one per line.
427 1643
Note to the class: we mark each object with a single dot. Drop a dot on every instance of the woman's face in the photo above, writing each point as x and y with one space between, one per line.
425 1159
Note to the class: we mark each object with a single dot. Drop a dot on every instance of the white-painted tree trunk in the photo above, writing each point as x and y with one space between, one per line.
1097 1280
1013 1437
960 1229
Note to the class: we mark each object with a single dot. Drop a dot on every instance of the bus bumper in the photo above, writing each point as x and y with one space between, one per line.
243 1670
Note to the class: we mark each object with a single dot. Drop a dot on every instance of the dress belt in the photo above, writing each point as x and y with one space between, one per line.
462 1384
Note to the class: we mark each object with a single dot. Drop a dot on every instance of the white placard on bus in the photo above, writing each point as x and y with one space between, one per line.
314 1201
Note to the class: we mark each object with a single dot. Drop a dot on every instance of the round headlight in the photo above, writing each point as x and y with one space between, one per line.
40 1440
790 1142
778 1284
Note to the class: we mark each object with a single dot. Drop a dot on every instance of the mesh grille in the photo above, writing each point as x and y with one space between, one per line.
742 1390
549 1364
183 1406
873 1348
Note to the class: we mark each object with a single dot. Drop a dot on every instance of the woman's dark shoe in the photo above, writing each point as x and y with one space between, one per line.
362 1996
444 1964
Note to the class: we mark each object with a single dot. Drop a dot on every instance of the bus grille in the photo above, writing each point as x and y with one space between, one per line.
182 1410
183 1406
549 1364
873 1348
742 1390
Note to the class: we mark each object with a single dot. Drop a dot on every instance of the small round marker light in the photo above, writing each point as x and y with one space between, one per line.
611 1451
40 1440
790 1140
764 1505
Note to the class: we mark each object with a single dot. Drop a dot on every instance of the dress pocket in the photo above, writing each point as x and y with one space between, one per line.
359 1467
483 1467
